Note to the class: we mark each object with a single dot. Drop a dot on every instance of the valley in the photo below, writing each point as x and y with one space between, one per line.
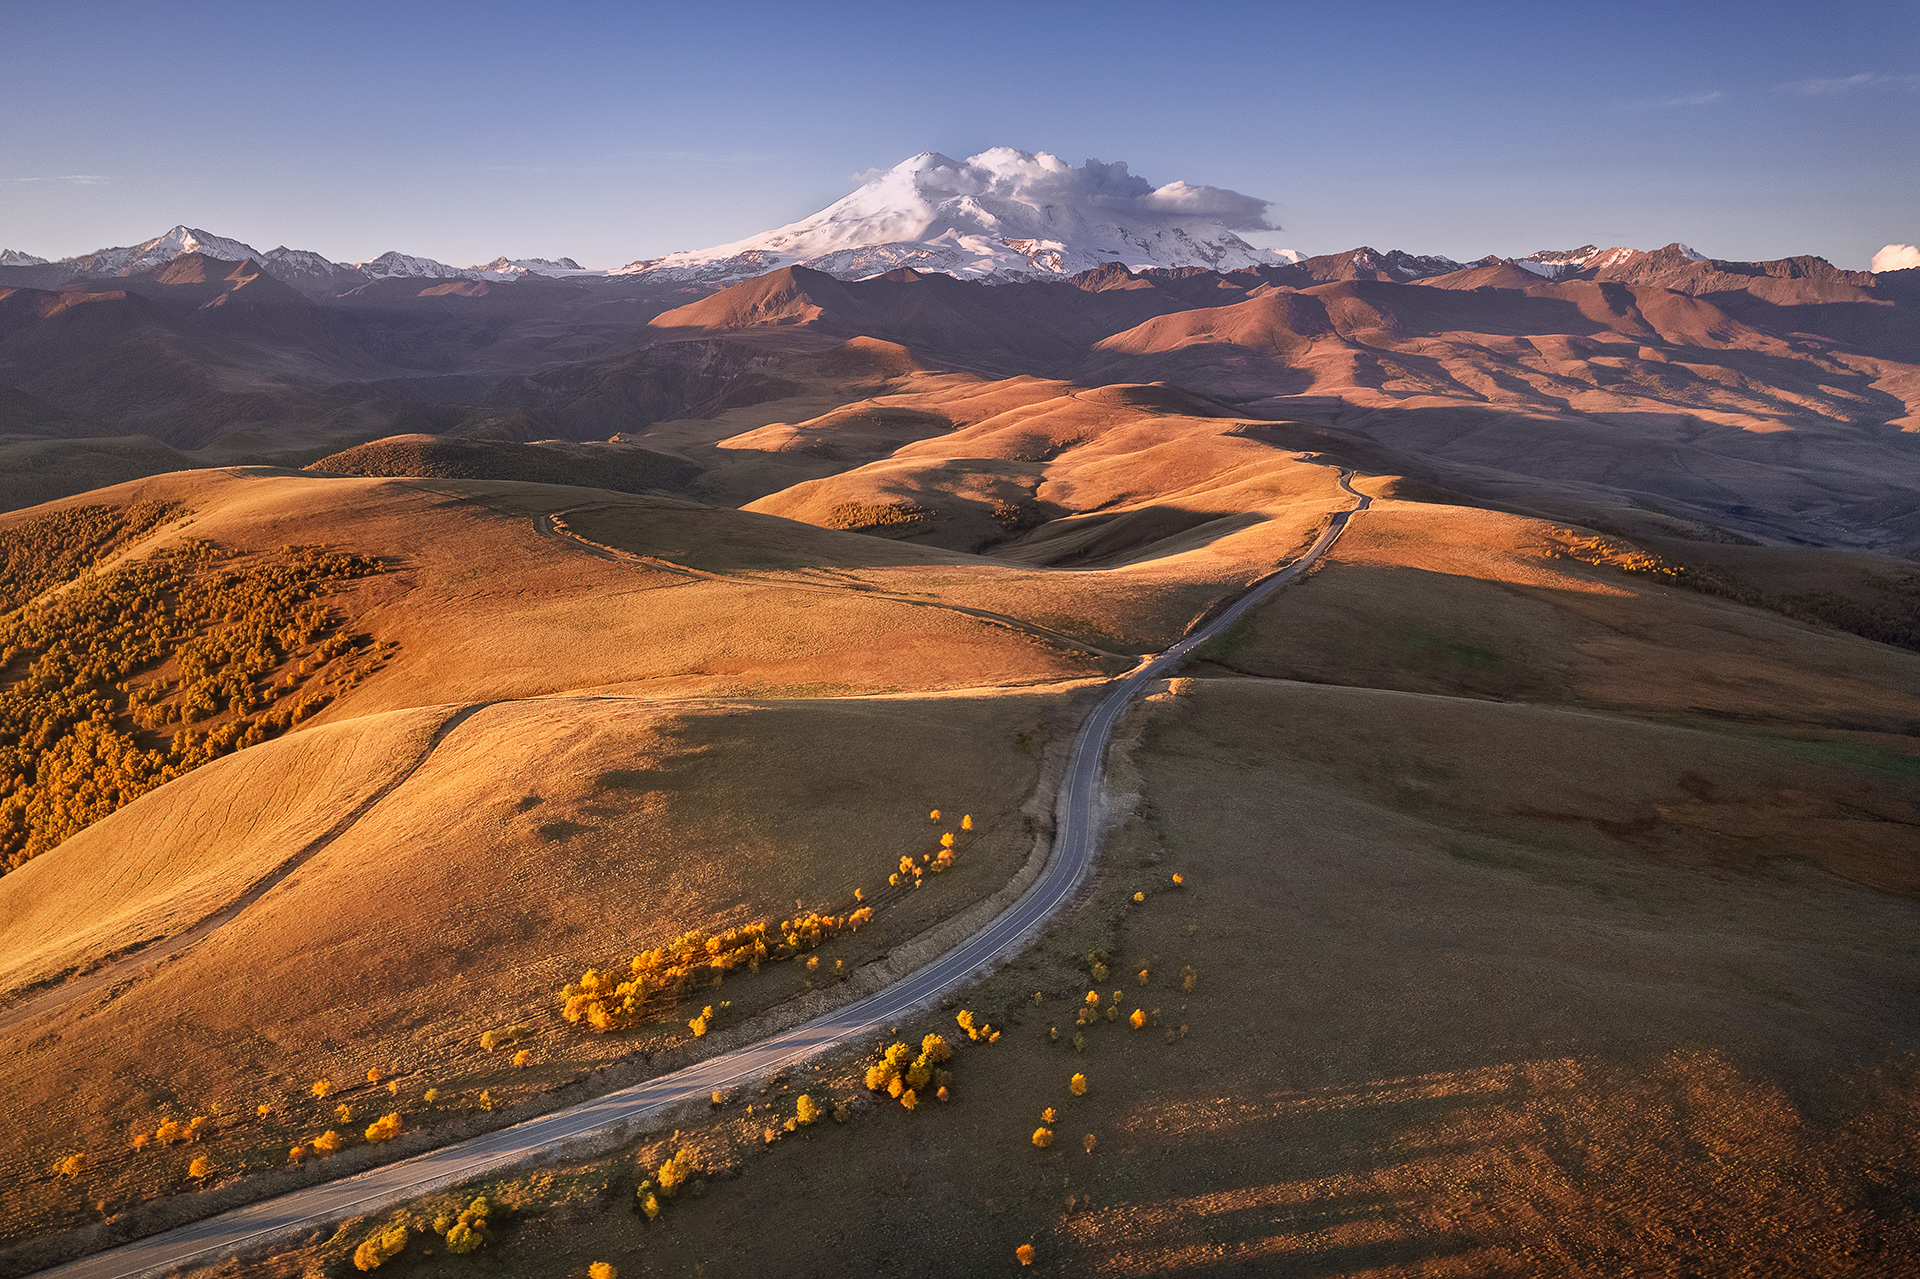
1528 874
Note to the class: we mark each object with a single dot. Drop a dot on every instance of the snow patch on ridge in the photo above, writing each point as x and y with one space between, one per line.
1002 214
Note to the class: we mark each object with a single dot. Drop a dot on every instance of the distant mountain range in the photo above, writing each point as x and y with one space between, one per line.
1000 216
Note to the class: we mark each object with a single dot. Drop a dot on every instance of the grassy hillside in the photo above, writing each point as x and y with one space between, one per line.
1514 875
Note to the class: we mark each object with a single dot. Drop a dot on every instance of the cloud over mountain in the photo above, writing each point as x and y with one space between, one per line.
1896 257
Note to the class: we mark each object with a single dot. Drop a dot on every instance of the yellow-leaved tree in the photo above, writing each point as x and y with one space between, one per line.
385 1128
380 1247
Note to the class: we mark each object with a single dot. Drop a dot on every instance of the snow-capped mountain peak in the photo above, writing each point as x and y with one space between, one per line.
1002 214
13 257
161 250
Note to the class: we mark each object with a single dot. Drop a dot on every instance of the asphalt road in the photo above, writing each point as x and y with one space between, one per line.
1075 845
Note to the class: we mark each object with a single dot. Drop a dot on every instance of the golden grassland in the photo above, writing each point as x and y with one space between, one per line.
1375 1039
539 838
1536 906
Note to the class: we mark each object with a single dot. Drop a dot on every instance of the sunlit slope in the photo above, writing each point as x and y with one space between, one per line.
150 871
486 601
1452 599
537 838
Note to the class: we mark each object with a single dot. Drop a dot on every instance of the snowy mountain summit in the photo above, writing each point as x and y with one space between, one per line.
1002 215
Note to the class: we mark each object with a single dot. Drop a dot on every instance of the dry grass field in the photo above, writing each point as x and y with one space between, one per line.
1539 911
1481 1032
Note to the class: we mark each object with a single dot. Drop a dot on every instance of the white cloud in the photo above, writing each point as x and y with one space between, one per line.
76 179
1688 100
1040 178
1896 257
1848 84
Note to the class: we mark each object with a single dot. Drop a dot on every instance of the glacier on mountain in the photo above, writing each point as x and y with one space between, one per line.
1002 215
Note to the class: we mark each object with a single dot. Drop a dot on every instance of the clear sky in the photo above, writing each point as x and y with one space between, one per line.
613 131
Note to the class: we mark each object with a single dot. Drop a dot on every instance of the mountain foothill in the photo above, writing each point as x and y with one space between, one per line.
1536 876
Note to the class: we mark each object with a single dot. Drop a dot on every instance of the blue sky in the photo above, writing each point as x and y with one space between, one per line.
610 132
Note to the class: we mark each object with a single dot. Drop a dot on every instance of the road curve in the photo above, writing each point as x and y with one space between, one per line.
1075 845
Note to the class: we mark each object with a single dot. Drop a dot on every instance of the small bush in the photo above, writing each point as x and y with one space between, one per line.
521 1059
602 1270
1025 1253
1043 1137
327 1142
804 1110
200 1167
1138 1019
1088 1142
321 1087
343 1112
385 1128
1077 1085
71 1166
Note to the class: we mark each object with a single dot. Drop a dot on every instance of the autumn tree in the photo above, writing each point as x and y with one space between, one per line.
327 1142
1025 1253
468 1231
672 1174
602 1270
1077 1085
380 1247
200 1167
1043 1137
385 1128
804 1110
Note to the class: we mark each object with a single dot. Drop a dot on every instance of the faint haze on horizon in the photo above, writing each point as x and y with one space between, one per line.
609 132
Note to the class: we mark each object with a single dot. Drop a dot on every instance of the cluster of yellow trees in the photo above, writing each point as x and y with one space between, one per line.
92 677
607 1000
903 1076
468 1231
693 960
43 552
380 1247
666 1181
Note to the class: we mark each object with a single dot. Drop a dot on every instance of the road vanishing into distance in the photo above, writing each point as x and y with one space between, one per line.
1076 842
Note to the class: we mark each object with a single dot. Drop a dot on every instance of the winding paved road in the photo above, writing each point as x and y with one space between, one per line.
1075 845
